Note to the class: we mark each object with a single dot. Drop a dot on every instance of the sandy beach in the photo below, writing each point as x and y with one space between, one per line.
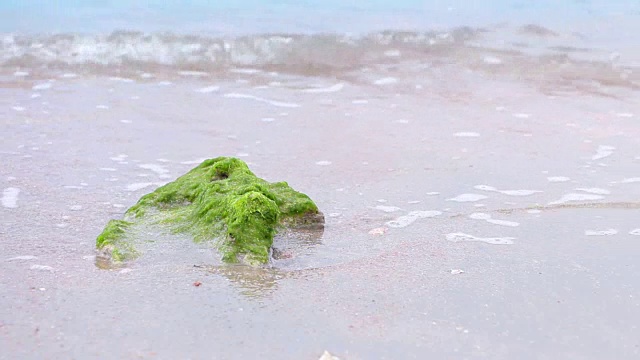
482 200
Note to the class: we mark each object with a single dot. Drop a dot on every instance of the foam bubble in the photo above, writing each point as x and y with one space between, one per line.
323 163
462 237
10 197
468 198
489 219
466 134
603 152
330 89
492 60
259 99
635 232
20 74
519 192
386 81
41 268
388 208
521 115
208 89
596 191
22 258
576 197
432 193
558 179
630 180
410 218
607 232
158 169
42 86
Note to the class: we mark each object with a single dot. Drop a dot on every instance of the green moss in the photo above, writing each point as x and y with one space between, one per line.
221 199
112 241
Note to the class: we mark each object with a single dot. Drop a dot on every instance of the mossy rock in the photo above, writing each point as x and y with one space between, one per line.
220 199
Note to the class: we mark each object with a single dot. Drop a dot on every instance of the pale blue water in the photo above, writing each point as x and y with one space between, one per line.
309 16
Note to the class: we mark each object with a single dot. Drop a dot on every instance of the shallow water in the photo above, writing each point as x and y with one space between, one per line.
480 180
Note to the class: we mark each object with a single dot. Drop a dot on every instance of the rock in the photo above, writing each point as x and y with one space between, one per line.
219 199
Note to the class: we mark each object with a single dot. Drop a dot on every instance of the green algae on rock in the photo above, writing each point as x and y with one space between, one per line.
219 199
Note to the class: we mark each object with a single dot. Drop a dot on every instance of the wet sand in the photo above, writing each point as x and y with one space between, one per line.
475 209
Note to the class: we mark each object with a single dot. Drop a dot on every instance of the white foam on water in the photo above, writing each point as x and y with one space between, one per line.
492 60
392 53
432 193
107 169
576 197
607 232
381 201
534 211
165 83
388 209
635 232
597 191
521 115
10 197
262 100
268 119
35 95
73 187
360 102
158 169
485 188
323 163
19 108
11 178
468 198
462 237
102 107
558 179
330 89
192 73
119 158
386 81
410 218
507 192
242 154
146 76
43 86
118 206
457 271
208 89
75 207
245 71
630 180
120 79
625 115
89 257
603 152
519 192
466 134
413 202
22 258
69 75
489 219
20 74
41 268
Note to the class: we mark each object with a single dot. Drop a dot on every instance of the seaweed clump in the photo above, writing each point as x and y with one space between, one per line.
219 199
